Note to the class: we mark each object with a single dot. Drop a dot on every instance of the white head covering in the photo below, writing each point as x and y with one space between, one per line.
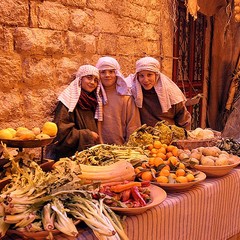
107 63
69 97
167 91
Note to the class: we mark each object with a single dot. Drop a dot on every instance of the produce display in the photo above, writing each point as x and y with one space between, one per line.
200 133
229 145
37 201
127 194
162 131
96 184
164 165
49 129
209 156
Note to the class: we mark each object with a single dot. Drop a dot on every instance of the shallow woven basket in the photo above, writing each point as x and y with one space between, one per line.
195 143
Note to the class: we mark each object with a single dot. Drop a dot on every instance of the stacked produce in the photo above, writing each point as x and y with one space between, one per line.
49 129
127 194
200 133
38 201
105 154
237 10
229 145
165 165
209 156
162 131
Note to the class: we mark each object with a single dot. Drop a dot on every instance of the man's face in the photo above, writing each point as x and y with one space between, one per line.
147 79
108 77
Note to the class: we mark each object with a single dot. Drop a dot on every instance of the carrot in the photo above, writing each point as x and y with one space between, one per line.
121 187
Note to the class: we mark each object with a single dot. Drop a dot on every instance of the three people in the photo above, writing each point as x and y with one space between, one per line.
100 107
74 115
157 97
120 114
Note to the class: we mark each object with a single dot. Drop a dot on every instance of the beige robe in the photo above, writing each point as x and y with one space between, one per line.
120 117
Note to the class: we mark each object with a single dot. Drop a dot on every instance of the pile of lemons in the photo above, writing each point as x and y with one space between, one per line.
48 130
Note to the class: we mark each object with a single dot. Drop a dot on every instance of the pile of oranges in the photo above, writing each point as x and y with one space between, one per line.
164 166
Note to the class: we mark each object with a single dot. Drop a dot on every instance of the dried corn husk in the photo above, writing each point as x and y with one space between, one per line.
192 7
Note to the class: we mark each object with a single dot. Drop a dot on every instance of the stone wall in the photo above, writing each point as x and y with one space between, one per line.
42 43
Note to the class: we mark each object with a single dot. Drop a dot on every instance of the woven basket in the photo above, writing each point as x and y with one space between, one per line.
195 143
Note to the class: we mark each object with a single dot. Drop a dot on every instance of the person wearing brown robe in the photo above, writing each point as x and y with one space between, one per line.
74 115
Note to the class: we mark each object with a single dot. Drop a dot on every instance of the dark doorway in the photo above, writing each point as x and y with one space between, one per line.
188 62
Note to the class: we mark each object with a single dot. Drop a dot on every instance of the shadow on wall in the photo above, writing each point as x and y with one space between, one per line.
232 127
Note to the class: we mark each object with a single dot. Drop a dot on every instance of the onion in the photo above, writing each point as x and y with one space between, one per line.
237 17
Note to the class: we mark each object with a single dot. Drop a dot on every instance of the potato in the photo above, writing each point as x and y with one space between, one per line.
207 161
211 151
196 155
221 161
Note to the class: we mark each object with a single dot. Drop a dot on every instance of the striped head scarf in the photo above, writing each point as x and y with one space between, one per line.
69 97
167 91
107 63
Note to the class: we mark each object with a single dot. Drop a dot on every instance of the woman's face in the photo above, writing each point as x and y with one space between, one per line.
108 77
147 79
89 83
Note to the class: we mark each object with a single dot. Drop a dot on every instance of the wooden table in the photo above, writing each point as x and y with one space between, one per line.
207 211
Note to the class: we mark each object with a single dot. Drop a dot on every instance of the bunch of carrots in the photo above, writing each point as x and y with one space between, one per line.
126 194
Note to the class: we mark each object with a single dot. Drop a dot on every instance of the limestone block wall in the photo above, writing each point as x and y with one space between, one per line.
42 43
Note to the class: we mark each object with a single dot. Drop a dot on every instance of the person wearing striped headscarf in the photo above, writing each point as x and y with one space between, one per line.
75 115
157 97
120 114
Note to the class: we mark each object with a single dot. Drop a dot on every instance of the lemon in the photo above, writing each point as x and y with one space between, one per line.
36 130
5 134
42 136
50 128
21 128
12 131
25 134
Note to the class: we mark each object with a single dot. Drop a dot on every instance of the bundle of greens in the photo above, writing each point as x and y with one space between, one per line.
162 131
38 201
104 154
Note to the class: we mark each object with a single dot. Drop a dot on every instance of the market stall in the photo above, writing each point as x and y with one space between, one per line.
206 211
160 190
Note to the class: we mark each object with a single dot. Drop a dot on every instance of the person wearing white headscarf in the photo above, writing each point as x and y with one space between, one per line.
74 115
120 114
157 97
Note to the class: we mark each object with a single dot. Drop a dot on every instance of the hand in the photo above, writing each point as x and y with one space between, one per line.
95 136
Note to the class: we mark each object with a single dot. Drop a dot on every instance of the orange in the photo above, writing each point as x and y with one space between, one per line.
162 150
150 147
138 170
182 166
147 176
190 177
165 145
161 155
157 161
180 172
154 151
162 179
166 167
164 172
169 154
175 152
172 175
181 179
145 165
151 161
170 148
173 160
157 144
